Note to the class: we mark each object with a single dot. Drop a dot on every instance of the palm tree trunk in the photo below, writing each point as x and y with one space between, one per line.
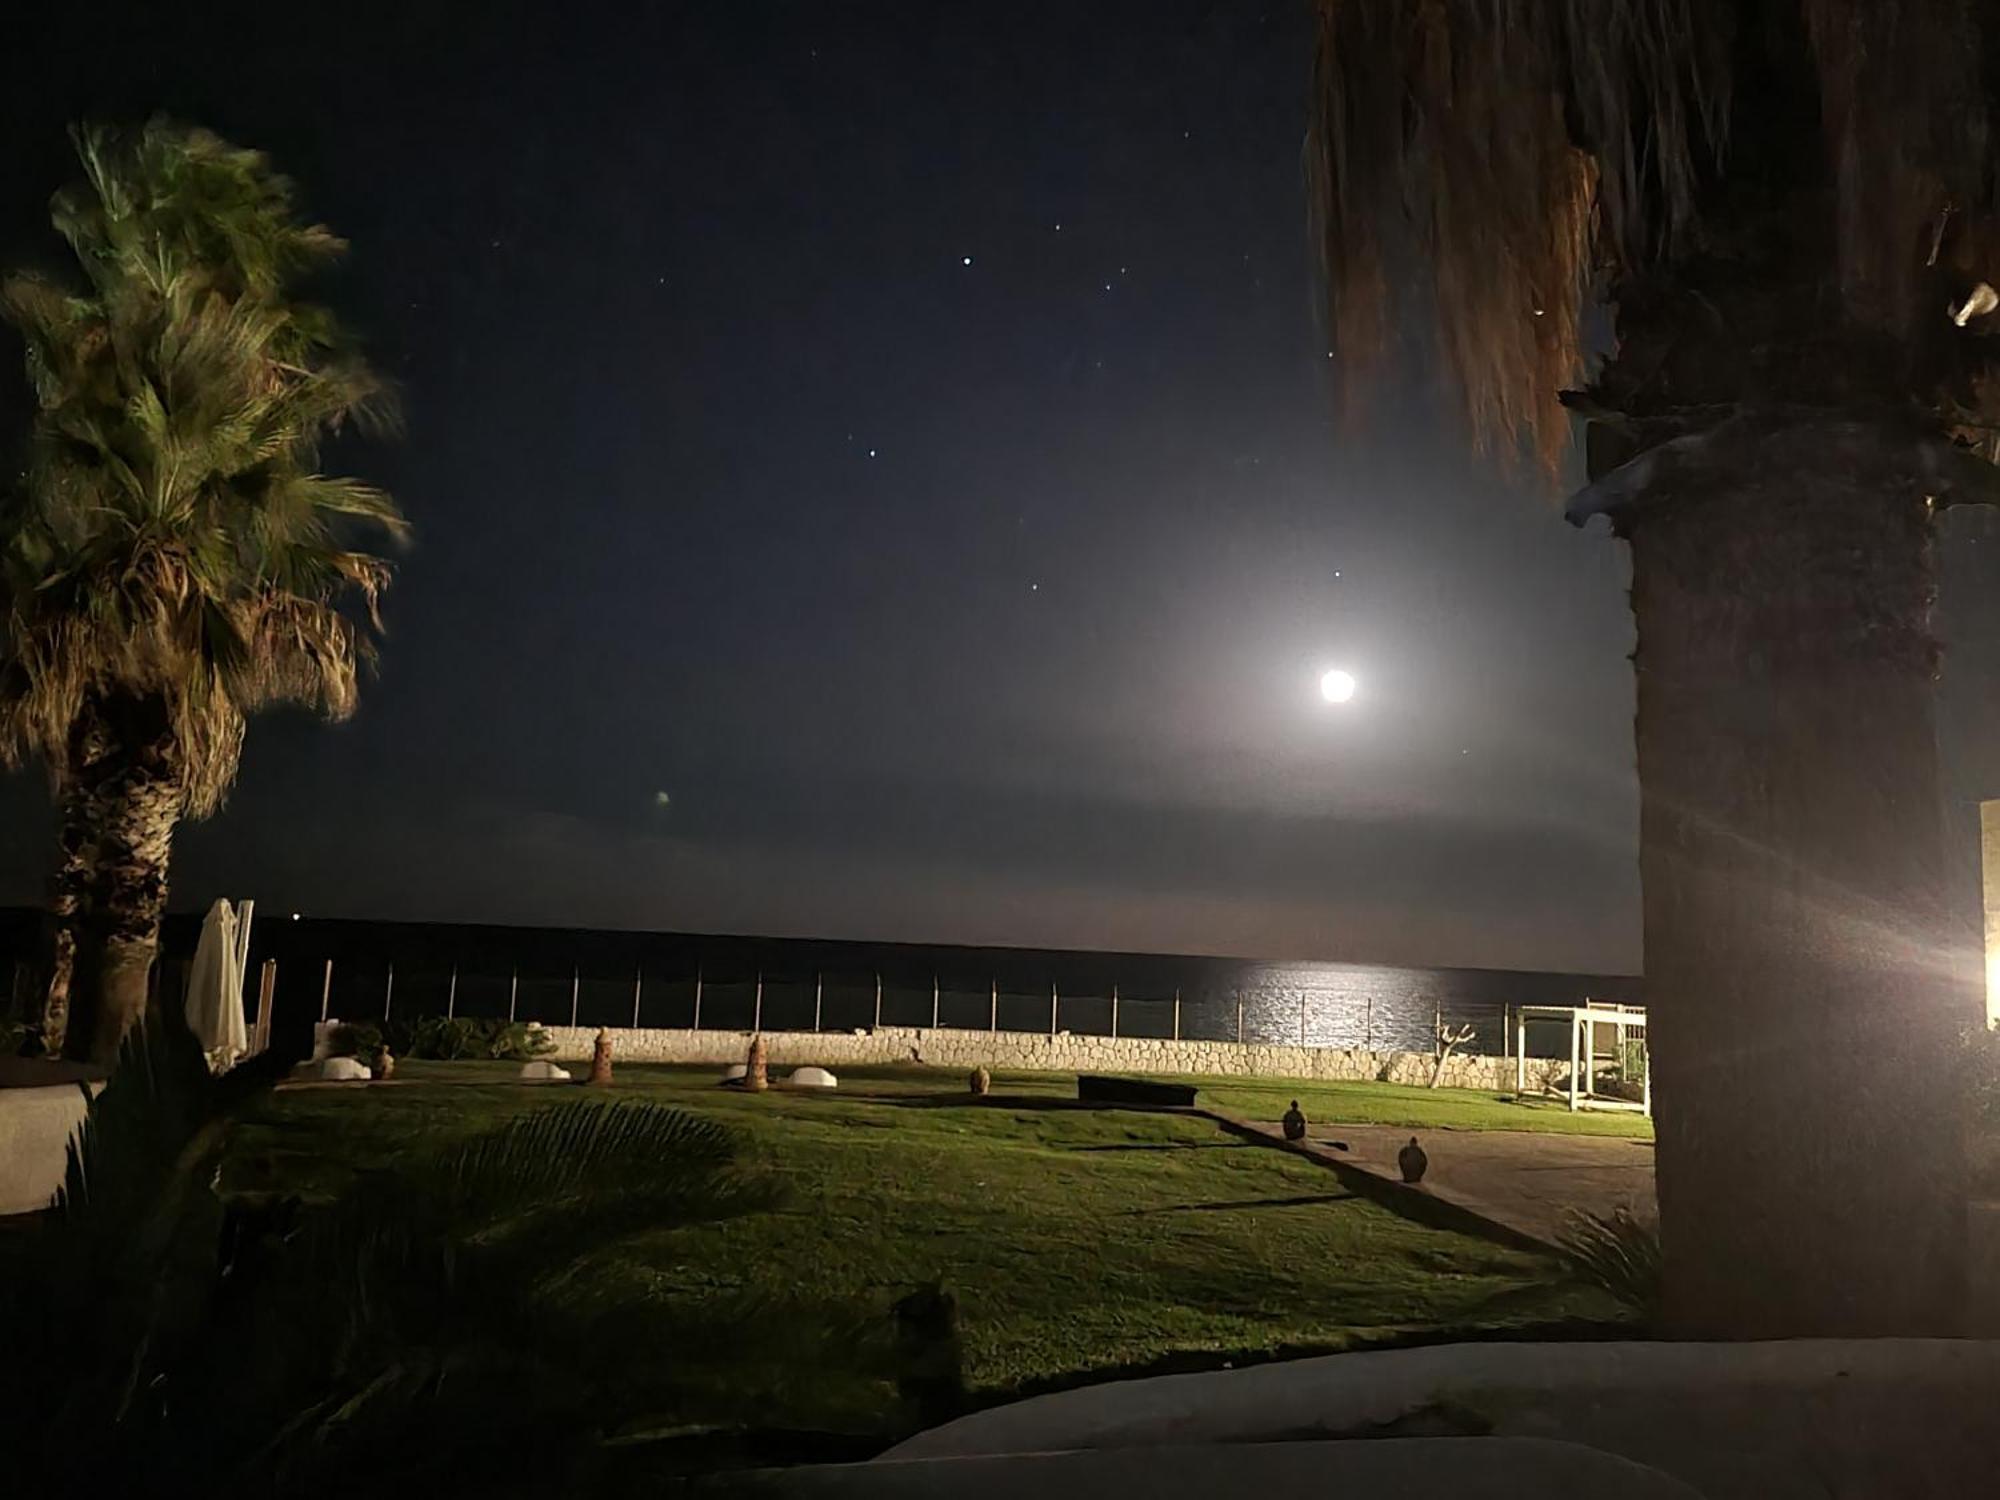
132 794
65 897
1803 999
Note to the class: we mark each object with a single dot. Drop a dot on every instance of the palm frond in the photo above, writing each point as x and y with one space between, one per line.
656 1164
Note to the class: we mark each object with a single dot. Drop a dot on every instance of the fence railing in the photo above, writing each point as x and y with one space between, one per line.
289 995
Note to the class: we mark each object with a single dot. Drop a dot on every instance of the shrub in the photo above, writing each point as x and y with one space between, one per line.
445 1038
519 1041
455 1038
360 1040
1619 1252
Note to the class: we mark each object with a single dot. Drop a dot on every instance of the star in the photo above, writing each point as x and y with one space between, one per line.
1034 588
967 261
871 452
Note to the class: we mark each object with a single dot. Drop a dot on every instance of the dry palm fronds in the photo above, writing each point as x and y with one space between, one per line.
1904 115
1511 158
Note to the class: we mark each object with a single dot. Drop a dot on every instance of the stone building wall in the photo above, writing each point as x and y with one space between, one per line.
1064 1053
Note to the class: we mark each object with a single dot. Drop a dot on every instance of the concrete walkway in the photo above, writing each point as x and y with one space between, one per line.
1529 1181
1860 1419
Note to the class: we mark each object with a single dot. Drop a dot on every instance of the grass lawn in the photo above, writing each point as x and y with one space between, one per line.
1267 1098
1257 1098
1075 1241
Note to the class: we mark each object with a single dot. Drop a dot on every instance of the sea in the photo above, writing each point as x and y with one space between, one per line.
366 971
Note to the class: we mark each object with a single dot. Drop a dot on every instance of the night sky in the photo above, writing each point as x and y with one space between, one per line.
901 438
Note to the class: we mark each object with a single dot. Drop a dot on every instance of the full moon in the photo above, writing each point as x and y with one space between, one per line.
1337 686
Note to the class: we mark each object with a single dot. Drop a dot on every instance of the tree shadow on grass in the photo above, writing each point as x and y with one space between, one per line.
1210 1208
1165 1146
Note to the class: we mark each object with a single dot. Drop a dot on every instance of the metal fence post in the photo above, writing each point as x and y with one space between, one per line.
1177 1013
1575 1036
326 990
757 1006
389 990
451 995
1239 1018
934 1002
513 991
818 986
1302 1018
638 986
1368 1025
878 1000
575 985
1053 1004
1114 1011
992 1014
697 996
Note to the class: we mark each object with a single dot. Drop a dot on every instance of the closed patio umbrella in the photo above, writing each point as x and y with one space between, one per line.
215 989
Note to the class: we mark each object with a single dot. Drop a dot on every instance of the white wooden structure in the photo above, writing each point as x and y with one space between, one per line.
1583 1021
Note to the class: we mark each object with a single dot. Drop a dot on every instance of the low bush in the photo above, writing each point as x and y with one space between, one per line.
360 1040
456 1038
1619 1252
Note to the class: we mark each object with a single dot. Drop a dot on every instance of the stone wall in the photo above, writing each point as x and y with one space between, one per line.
1063 1053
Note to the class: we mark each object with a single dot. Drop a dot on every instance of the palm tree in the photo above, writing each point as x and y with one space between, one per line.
175 560
1784 212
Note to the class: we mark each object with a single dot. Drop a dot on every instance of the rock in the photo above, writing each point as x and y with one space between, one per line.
344 1070
543 1071
734 1073
756 1069
812 1078
600 1057
981 1081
